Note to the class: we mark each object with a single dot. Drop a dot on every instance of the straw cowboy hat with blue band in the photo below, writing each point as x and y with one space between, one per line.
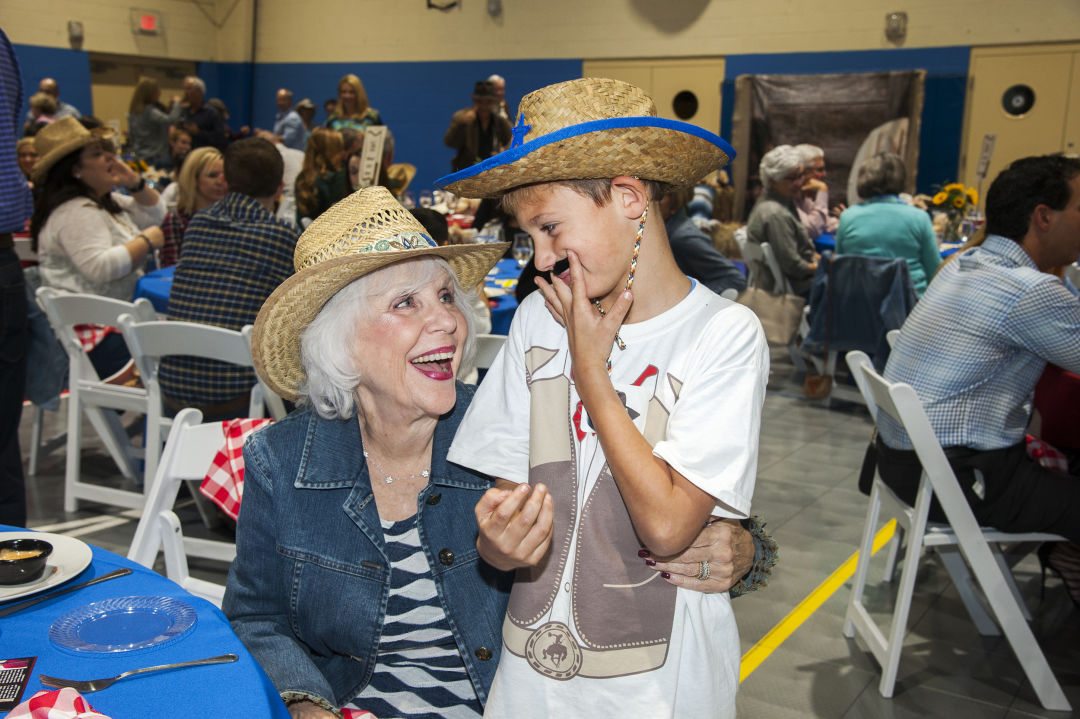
593 128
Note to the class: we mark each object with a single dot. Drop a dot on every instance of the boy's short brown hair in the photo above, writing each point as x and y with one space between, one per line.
597 190
253 167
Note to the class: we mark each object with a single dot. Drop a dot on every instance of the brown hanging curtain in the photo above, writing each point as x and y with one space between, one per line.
850 116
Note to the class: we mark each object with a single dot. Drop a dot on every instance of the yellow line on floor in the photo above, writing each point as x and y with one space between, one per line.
806 608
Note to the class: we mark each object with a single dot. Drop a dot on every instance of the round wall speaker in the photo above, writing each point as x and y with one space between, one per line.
1018 100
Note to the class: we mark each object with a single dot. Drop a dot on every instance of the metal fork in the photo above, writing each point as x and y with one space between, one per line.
96 685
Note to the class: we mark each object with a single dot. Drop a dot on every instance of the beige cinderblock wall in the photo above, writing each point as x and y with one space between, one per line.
405 30
219 31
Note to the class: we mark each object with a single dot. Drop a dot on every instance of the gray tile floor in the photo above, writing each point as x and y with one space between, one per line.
810 456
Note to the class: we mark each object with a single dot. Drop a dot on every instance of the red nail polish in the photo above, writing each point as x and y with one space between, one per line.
650 562
643 553
665 575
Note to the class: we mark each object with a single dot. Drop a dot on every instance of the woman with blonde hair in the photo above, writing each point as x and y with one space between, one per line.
201 184
352 109
321 181
148 123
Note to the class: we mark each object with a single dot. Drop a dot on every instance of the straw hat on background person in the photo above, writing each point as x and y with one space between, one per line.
593 128
56 141
367 230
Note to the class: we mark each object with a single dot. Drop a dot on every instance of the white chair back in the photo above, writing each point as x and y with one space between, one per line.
780 280
487 347
189 451
891 336
89 395
149 342
990 570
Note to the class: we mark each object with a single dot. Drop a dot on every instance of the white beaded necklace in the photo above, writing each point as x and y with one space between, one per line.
386 477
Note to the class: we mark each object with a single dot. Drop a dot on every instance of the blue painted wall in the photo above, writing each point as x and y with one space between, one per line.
70 69
231 82
415 99
943 107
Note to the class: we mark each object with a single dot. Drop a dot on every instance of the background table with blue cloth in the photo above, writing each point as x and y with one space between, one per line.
155 286
504 276
239 689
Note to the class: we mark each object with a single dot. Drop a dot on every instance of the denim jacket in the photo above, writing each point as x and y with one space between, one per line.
308 590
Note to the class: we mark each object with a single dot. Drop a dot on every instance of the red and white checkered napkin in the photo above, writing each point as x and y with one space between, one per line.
56 704
1047 455
224 481
90 336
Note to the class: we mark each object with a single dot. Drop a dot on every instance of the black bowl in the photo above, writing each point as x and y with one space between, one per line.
27 569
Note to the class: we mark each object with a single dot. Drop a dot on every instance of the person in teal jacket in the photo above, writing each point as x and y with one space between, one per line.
883 225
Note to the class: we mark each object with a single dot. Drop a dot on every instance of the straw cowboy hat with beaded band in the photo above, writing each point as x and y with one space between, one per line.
367 230
56 141
592 128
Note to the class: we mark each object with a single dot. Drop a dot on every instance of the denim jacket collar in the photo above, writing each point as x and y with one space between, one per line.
333 451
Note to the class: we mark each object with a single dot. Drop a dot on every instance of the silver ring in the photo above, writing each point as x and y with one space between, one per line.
703 570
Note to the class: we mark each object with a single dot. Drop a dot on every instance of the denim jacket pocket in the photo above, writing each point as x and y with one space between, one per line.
336 606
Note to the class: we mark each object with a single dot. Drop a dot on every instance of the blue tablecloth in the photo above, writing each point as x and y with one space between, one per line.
155 286
504 276
825 241
239 689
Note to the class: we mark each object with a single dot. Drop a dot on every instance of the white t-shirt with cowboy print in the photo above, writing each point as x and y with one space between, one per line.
593 629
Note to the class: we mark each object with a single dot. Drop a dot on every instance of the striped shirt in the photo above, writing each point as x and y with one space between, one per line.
419 672
977 342
234 254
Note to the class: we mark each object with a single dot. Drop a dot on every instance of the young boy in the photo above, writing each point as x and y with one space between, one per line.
629 397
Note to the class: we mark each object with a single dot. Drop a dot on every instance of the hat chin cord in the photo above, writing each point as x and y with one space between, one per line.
629 278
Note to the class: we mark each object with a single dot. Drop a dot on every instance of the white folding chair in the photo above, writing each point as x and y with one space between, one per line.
150 341
990 571
487 347
780 280
189 451
742 240
88 394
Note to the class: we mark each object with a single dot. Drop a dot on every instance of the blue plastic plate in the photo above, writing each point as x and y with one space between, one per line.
123 624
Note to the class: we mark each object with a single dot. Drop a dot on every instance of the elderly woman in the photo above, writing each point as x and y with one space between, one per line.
90 239
201 184
148 123
352 109
357 582
886 226
775 219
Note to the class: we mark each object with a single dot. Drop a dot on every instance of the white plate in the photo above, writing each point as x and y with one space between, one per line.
69 557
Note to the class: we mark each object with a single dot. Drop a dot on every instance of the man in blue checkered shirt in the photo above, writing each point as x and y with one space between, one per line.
234 254
978 340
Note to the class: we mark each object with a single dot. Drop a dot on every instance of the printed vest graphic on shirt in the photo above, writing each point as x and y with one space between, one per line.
621 610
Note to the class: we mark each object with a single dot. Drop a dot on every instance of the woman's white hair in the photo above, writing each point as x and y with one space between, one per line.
778 162
809 153
329 344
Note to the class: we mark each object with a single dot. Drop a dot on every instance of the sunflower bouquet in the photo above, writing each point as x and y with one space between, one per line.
954 202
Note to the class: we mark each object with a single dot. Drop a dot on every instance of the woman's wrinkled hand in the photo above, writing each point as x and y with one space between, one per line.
516 524
728 548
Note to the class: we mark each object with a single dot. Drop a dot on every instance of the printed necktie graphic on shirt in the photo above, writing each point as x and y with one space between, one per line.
621 610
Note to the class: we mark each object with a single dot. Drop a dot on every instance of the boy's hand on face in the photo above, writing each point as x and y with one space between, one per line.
516 523
591 336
